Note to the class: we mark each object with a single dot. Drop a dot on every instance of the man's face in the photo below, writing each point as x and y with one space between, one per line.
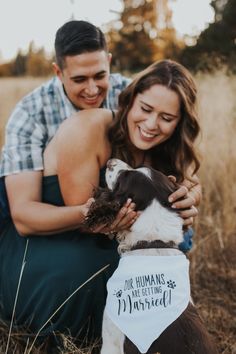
86 78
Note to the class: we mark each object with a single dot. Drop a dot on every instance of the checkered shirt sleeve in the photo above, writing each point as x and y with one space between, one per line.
23 145
117 84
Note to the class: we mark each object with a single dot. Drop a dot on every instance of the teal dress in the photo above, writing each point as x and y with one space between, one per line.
55 266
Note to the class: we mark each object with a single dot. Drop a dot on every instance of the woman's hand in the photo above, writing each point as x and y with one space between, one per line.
123 221
187 203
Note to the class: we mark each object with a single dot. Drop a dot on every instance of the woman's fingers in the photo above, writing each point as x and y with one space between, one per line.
125 217
172 178
188 213
182 199
187 202
188 221
127 221
100 229
179 193
123 221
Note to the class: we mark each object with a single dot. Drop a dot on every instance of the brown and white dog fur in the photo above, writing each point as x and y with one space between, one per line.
157 231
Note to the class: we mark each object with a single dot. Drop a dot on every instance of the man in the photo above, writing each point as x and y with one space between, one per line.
82 81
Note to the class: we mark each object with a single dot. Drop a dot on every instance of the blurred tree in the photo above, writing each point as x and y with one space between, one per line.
37 62
218 6
6 69
142 34
34 63
216 45
19 64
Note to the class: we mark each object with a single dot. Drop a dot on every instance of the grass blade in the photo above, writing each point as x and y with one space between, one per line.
16 297
64 302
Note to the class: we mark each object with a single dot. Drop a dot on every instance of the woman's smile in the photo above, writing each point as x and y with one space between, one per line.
145 135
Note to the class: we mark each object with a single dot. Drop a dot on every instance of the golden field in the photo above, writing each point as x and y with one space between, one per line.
213 257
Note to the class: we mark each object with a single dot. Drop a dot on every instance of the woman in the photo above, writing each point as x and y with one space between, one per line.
156 125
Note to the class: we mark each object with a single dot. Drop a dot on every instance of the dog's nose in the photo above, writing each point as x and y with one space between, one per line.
111 164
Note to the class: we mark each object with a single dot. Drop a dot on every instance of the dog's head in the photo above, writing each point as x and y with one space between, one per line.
142 185
149 189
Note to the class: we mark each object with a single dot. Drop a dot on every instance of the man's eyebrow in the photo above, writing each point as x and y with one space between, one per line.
84 76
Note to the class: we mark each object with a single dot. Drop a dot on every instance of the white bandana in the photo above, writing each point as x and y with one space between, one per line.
146 294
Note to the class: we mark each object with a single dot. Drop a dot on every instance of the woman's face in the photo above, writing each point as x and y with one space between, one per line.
153 117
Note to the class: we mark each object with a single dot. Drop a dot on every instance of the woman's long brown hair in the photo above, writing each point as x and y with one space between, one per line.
175 155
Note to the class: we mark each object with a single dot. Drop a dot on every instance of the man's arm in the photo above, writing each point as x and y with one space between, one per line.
22 158
25 138
30 215
24 187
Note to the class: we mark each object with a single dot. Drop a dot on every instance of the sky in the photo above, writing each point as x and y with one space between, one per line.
22 21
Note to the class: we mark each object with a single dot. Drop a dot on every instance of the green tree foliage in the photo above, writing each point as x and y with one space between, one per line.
142 34
216 45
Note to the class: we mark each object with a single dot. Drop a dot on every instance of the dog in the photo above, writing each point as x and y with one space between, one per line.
149 307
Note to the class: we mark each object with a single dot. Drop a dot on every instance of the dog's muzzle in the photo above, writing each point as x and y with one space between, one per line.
114 167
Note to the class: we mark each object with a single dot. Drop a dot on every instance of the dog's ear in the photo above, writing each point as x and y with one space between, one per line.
103 210
164 186
136 186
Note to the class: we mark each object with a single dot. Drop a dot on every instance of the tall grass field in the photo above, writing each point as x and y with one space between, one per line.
213 257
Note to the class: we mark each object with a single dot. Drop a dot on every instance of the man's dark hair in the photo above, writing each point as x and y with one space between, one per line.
77 37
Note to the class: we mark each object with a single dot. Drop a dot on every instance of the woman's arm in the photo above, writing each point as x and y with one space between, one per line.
82 149
80 161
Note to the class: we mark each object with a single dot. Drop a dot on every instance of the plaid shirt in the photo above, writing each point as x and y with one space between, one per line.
36 119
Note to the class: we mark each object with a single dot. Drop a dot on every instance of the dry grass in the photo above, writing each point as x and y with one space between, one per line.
213 259
11 91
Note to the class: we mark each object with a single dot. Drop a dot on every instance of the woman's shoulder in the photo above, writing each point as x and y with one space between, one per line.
92 117
84 129
92 120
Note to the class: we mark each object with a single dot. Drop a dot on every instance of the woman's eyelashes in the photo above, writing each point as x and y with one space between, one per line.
146 110
164 117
